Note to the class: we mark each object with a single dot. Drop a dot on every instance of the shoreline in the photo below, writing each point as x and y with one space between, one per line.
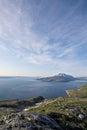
67 92
22 104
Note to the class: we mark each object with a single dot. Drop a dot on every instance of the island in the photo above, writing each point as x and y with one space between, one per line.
61 77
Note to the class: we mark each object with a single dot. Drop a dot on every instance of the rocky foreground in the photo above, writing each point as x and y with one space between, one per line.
27 121
63 113
13 116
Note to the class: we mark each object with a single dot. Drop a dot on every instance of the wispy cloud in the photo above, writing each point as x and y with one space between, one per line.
2 47
41 33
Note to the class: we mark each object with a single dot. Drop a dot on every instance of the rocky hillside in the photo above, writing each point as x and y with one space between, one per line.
69 112
27 121
63 113
21 104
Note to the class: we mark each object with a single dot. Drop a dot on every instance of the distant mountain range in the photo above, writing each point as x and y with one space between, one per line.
61 77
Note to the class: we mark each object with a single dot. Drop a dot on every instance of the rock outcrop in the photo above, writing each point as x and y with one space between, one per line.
21 104
27 121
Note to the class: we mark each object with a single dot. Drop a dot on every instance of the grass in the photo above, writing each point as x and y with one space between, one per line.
62 107
81 92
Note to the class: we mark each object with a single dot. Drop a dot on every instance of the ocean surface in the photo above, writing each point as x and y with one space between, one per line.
26 87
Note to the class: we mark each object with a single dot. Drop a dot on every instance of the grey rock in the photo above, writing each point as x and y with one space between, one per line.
28 121
81 116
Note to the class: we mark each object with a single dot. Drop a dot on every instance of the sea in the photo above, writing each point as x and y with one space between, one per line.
28 87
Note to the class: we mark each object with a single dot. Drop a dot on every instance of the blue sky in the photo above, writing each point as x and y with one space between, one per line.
43 37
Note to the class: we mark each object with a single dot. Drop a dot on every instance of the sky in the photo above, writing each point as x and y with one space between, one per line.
43 37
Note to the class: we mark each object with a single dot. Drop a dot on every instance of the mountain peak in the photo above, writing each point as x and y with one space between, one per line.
62 74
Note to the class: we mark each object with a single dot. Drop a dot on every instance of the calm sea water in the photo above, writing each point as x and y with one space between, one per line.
26 87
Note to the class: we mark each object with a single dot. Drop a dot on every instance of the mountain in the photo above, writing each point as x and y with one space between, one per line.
61 77
82 78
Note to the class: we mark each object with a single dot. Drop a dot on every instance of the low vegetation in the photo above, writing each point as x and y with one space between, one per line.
69 112
81 92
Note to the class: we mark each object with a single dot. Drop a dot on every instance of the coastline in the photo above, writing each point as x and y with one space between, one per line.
67 92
